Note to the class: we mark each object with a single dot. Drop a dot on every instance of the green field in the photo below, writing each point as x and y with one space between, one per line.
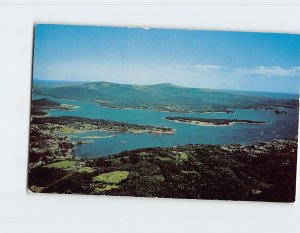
62 164
86 169
112 177
182 156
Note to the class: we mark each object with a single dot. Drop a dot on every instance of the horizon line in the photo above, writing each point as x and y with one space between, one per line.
89 81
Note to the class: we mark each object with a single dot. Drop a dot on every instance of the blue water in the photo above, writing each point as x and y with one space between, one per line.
279 126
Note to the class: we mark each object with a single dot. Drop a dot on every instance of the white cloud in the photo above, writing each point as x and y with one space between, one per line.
207 67
272 71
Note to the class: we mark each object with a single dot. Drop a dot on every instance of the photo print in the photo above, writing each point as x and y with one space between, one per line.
168 113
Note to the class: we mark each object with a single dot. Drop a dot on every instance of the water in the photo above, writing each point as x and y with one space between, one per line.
279 126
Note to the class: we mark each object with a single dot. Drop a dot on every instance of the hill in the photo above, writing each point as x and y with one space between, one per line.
162 97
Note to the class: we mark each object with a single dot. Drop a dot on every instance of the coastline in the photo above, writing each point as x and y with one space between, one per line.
96 102
211 124
96 136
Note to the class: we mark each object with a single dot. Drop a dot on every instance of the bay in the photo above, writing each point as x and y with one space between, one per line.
278 126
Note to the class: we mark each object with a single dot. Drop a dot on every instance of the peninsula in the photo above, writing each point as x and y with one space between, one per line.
73 124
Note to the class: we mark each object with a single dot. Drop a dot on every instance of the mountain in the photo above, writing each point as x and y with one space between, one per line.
162 97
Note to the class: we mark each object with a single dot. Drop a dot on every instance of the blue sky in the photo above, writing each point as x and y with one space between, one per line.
193 58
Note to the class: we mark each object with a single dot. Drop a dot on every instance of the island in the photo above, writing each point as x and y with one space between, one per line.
39 107
210 121
81 142
277 111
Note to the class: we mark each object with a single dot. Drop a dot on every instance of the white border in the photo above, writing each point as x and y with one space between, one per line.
24 212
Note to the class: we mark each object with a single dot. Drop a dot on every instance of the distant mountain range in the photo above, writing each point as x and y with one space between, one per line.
161 97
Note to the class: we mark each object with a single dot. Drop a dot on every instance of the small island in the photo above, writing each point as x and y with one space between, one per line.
210 121
82 142
277 111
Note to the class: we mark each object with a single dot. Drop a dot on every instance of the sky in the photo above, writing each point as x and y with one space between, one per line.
193 58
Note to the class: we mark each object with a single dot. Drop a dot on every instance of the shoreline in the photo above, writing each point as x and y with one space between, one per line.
211 124
96 136
95 102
